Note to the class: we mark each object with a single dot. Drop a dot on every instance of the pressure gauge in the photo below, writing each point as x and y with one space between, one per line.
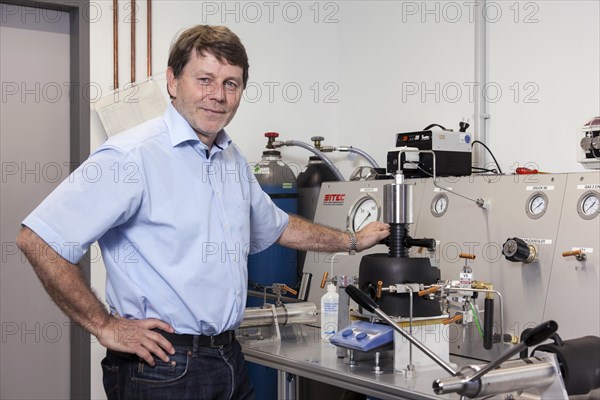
439 205
588 205
536 205
364 211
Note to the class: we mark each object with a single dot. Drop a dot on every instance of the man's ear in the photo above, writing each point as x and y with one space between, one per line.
171 83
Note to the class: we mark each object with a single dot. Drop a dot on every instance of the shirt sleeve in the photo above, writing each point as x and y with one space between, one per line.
267 221
104 192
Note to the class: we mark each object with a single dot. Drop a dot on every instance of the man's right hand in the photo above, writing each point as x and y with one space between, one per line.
137 337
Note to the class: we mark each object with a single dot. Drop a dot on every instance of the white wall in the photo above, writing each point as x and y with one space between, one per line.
370 69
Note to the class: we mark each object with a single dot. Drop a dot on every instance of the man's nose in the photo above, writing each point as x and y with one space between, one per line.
216 92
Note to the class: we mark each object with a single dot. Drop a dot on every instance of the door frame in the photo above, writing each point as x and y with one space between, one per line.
79 53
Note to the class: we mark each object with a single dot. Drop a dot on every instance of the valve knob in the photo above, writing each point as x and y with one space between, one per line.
271 134
517 250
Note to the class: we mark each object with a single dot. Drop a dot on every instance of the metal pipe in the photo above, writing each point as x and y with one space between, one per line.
133 41
149 38
410 312
291 313
115 44
319 154
360 152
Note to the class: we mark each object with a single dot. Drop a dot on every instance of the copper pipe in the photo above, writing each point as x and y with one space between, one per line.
379 289
115 44
467 256
133 41
149 39
572 253
289 289
324 280
432 289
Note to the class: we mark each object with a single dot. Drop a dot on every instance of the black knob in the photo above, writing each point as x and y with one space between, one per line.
516 250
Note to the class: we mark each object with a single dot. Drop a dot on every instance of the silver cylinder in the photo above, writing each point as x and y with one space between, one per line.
397 204
290 313
512 376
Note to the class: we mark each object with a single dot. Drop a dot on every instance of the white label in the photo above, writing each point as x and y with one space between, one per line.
537 241
587 250
368 190
540 187
437 189
588 187
261 171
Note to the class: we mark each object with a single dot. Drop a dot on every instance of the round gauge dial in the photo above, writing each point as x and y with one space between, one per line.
536 205
588 205
439 205
365 210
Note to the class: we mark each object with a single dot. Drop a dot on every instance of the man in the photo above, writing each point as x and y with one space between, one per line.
175 212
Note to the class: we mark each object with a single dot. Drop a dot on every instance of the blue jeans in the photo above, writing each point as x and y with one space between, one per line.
192 373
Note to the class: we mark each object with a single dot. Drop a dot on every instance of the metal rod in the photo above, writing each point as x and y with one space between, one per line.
149 38
410 311
133 16
115 44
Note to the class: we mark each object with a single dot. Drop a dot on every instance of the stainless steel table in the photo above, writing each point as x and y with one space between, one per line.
301 352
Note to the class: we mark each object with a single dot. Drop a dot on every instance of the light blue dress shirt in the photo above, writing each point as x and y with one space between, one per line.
175 224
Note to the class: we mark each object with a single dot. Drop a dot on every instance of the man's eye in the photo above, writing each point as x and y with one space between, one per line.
204 81
231 85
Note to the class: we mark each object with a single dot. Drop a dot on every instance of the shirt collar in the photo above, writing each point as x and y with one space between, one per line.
181 131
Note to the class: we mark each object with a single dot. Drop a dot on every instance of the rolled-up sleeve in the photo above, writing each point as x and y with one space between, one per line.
267 221
104 192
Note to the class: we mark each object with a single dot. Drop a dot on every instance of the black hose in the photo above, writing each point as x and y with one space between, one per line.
488 323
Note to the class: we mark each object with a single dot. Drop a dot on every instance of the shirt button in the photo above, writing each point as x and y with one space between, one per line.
226 226
218 194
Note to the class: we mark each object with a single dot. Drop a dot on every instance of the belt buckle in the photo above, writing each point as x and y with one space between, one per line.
213 344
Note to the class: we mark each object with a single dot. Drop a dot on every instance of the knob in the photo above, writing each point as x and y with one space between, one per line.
517 250
317 141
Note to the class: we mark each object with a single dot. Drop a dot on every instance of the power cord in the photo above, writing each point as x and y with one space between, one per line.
489 151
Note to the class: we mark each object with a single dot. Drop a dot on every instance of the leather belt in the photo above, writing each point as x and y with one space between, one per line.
222 339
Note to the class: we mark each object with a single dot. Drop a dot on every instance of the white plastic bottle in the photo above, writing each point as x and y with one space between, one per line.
329 312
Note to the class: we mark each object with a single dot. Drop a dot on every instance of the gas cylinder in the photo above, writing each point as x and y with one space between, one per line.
275 264
309 188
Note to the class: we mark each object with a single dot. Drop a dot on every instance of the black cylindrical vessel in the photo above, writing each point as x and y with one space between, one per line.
394 270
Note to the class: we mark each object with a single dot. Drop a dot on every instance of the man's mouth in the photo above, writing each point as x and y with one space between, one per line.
211 111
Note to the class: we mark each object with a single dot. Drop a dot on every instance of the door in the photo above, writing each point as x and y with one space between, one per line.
34 147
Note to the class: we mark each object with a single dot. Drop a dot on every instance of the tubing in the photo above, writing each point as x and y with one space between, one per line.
360 152
319 154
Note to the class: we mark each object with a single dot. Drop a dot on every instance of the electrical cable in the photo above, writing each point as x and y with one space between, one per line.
489 151
481 170
428 127
479 328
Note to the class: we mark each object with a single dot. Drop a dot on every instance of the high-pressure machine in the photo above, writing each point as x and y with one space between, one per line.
483 304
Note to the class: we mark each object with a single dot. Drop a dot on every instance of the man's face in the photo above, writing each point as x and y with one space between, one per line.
207 94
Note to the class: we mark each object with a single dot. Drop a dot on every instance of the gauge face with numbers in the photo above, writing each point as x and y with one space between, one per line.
365 210
536 205
439 205
588 206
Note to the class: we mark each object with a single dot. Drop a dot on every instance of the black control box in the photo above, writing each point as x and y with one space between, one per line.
453 155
